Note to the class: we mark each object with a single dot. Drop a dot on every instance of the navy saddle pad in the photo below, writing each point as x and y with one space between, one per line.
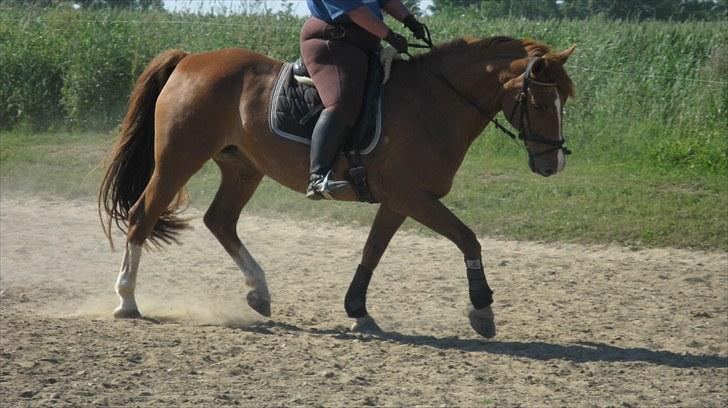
295 108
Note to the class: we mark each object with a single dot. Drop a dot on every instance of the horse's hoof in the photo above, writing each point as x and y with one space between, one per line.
258 304
127 314
482 321
365 325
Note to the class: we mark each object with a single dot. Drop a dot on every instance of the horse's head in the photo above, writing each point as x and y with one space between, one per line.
533 103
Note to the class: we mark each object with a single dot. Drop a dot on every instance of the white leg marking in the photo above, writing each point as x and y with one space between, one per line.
126 281
254 275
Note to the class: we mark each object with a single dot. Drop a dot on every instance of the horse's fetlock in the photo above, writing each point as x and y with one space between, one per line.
356 297
258 286
355 306
125 290
481 294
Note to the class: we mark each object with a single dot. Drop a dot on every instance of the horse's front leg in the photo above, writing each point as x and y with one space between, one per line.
430 212
386 223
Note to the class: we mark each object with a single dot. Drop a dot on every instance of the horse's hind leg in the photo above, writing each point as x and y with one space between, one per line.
167 179
386 223
239 179
126 282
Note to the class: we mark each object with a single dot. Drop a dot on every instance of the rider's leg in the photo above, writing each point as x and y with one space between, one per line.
328 135
338 68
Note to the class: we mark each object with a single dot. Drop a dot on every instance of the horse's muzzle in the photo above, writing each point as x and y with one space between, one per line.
547 166
547 171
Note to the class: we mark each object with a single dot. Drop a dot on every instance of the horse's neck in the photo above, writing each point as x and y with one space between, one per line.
470 95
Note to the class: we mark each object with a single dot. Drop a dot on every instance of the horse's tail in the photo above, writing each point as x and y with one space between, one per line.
130 164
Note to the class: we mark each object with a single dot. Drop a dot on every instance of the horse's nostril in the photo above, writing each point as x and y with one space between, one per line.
548 171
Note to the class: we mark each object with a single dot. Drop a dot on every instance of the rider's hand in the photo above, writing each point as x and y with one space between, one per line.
397 41
417 28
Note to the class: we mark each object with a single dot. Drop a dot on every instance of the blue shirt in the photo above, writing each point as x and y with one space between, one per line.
335 10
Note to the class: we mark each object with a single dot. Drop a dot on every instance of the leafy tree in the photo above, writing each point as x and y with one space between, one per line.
505 8
646 9
27 3
533 9
130 4
440 5
703 10
616 9
125 4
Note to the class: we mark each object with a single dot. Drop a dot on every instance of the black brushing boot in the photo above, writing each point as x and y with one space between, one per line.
328 136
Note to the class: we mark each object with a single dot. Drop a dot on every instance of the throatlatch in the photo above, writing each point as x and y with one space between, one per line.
355 301
480 293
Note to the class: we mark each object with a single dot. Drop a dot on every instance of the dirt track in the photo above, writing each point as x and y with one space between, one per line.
578 326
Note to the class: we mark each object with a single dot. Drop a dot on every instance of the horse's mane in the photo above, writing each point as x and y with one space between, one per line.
499 47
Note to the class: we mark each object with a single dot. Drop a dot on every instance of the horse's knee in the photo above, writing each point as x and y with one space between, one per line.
470 246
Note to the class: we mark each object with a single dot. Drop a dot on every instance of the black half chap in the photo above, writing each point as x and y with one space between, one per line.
480 293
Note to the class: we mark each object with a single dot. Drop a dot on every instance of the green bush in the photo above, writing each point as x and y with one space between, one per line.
31 74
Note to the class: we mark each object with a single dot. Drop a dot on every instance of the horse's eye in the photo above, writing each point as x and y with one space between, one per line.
539 107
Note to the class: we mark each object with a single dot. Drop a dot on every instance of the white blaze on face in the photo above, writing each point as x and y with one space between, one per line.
560 153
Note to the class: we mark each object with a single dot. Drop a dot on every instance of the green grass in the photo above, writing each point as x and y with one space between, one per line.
495 194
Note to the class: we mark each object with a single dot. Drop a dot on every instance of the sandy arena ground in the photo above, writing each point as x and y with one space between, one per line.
577 325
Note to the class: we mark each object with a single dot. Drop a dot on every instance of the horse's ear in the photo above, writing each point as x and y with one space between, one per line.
539 66
564 55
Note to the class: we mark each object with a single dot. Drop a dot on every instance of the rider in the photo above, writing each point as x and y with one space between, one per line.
335 45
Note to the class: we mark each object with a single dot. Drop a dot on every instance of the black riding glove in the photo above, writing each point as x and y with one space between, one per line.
397 41
417 28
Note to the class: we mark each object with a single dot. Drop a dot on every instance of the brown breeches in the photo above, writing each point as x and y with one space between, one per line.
336 56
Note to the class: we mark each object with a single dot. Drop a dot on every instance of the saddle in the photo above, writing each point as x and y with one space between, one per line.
295 107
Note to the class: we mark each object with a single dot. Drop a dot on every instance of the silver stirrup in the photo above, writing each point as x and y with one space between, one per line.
330 186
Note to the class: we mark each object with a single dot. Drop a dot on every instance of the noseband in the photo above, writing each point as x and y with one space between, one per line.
525 133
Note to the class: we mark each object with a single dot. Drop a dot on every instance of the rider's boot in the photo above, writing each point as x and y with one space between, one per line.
328 136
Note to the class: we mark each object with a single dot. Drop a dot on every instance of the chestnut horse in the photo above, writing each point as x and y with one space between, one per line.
186 109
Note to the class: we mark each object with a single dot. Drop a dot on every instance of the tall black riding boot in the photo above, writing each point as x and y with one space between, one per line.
328 136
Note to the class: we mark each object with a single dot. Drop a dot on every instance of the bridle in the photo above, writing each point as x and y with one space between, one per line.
525 133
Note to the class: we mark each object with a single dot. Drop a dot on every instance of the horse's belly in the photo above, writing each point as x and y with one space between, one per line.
288 162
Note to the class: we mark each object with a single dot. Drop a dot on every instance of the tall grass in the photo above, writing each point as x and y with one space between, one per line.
654 93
